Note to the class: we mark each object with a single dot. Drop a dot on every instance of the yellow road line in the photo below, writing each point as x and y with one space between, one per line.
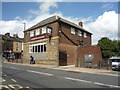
15 85
27 87
5 75
3 86
3 80
13 80
11 86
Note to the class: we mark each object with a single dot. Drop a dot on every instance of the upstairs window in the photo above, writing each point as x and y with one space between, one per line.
44 30
37 32
85 35
31 33
79 33
72 30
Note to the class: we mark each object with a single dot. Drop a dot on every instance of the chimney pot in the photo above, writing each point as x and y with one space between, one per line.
15 35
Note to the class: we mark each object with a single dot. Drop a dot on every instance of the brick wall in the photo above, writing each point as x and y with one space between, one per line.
92 50
70 52
53 25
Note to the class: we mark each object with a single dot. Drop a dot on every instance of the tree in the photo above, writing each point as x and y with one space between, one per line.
109 48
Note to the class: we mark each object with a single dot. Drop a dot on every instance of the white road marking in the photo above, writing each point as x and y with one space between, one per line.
78 80
40 73
102 84
112 86
14 68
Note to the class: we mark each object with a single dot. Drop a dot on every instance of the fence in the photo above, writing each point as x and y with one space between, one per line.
105 64
101 64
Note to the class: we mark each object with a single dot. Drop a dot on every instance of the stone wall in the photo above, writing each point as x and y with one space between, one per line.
52 53
17 44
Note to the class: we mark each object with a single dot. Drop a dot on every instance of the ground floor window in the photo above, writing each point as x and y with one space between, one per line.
38 47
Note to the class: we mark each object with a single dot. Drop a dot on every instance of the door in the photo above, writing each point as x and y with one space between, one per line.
62 58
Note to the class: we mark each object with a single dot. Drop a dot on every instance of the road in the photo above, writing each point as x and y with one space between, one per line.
20 76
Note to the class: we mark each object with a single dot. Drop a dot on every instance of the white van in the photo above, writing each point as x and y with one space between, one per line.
115 63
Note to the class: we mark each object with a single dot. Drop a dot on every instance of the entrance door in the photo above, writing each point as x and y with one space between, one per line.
62 58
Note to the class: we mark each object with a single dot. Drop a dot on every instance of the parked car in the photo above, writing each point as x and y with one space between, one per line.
115 63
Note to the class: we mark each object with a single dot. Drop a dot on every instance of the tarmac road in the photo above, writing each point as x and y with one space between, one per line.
20 76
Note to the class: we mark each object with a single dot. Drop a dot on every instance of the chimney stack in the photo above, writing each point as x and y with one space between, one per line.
7 34
80 24
15 35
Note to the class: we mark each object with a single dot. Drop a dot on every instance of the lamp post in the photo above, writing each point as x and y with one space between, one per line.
24 30
23 24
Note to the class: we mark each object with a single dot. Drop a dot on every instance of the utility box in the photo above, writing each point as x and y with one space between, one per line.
88 60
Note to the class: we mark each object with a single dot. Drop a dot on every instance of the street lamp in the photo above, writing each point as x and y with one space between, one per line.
23 24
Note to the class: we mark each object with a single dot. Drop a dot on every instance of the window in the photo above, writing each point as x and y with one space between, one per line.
38 47
31 49
37 31
17 43
85 35
72 30
41 48
79 33
43 30
44 47
17 48
31 33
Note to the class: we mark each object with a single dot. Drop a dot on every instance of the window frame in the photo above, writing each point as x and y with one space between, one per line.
41 48
85 34
44 30
37 31
72 30
32 33
79 33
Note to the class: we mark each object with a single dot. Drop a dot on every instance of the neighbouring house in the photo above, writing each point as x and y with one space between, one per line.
11 44
55 41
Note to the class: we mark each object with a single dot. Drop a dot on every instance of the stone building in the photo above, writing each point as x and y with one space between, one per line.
54 41
11 43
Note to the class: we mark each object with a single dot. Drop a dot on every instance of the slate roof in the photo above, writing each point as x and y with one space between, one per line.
9 38
53 19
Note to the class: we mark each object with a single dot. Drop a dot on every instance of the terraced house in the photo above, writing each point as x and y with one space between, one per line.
54 41
10 43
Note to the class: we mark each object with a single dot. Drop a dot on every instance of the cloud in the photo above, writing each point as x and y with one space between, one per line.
44 8
105 25
12 27
16 26
107 5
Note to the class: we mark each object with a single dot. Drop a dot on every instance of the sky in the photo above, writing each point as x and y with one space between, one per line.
99 18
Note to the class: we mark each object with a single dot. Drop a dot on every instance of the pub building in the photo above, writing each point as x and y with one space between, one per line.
54 41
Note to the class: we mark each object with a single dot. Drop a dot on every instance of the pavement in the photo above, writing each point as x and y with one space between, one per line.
72 68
